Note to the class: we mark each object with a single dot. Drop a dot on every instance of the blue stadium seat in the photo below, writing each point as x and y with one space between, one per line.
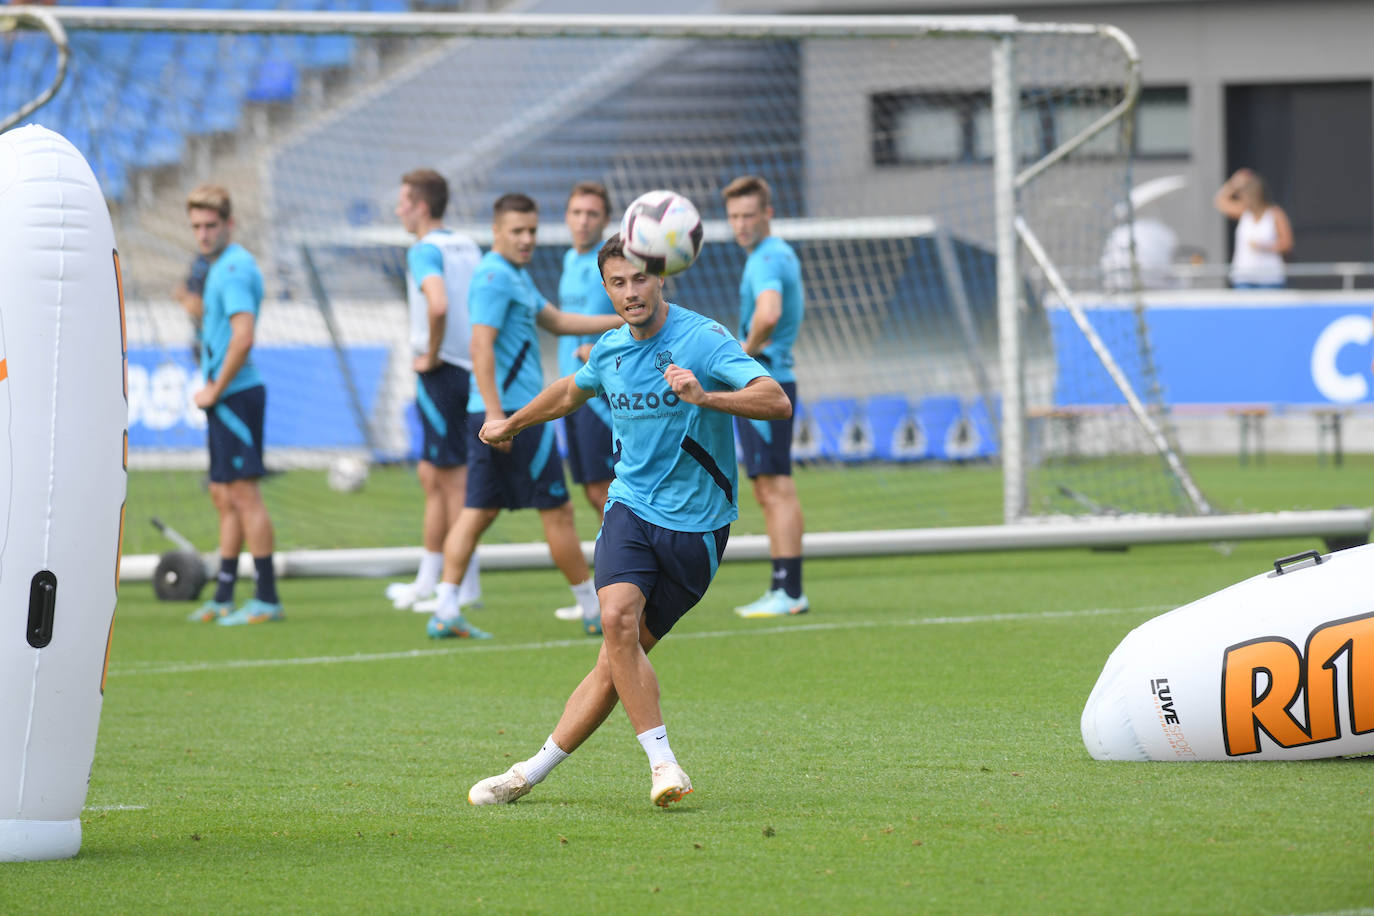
221 110
838 421
274 81
897 431
957 432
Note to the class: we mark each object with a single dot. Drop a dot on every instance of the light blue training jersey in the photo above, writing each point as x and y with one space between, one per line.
580 292
503 296
233 285
677 461
453 258
774 265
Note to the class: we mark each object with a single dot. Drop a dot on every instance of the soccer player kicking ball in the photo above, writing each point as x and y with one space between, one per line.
674 380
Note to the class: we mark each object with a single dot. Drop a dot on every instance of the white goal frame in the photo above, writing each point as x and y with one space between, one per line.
1012 231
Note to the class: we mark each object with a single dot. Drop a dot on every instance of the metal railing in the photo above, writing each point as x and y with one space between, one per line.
1346 272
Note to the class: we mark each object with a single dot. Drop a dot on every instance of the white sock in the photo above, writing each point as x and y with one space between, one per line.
470 589
431 568
542 763
586 599
448 609
655 744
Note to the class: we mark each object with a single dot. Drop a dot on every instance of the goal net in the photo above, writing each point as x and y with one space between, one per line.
912 159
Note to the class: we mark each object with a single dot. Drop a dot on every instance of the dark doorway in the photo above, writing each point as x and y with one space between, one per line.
1314 145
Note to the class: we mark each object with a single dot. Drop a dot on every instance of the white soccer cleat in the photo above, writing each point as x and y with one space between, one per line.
670 784
500 790
405 595
568 613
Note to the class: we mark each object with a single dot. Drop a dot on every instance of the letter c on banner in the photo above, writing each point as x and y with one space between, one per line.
1330 381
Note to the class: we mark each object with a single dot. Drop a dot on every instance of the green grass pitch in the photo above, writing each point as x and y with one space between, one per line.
910 746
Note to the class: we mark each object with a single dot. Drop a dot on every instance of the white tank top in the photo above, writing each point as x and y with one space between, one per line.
460 255
1251 265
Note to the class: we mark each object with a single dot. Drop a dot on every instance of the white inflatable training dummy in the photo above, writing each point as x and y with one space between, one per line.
63 451
1278 667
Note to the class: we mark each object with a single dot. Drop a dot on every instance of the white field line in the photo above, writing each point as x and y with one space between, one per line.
467 647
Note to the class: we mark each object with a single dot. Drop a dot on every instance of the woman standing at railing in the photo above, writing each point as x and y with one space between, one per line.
1263 233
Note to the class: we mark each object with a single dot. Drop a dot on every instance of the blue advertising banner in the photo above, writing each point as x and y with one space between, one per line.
308 405
1283 348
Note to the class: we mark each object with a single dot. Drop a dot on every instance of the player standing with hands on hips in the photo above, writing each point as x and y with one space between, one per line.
234 399
771 304
591 455
439 269
673 379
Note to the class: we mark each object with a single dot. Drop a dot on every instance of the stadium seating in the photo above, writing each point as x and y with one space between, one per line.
135 101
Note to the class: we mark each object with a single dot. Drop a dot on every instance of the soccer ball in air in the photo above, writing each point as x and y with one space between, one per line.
347 474
661 233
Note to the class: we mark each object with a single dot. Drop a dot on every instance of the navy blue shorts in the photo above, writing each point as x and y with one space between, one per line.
767 444
591 456
234 424
671 568
530 475
441 399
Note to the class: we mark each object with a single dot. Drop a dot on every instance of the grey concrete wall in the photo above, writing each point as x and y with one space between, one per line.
1202 45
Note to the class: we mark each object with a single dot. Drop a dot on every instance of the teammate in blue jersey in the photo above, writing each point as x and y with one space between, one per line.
234 399
505 308
672 379
591 455
439 269
771 304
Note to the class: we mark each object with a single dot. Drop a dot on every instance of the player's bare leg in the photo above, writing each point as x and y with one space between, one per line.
221 603
623 660
444 491
636 683
459 546
245 502
596 492
782 517
566 549
596 498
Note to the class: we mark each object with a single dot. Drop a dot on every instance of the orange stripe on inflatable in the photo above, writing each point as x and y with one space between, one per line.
105 672
123 333
119 546
4 369
119 289
119 556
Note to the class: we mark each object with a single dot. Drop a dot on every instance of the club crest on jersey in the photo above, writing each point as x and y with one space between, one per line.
663 360
617 364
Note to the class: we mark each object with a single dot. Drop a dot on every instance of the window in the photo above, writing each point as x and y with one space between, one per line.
927 128
1162 123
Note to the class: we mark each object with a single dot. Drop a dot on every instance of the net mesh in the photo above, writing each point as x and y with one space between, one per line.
879 152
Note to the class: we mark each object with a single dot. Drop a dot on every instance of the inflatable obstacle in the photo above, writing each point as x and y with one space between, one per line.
1277 667
63 457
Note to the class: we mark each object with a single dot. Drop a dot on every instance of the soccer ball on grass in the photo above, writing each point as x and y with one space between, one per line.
661 233
346 474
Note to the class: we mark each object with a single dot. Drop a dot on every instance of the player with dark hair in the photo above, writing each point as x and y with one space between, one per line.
673 379
439 269
771 304
504 308
234 399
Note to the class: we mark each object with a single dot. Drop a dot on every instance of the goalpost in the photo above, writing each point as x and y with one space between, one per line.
949 184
